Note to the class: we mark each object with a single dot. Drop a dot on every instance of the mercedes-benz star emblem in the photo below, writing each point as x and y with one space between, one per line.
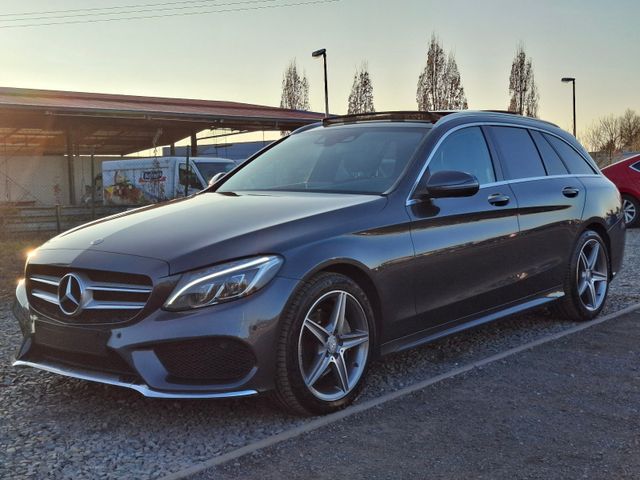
70 290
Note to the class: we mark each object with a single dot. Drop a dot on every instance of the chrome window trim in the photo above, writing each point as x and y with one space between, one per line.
412 201
634 168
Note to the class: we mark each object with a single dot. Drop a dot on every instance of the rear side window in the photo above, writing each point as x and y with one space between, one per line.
635 166
551 159
572 159
518 153
466 151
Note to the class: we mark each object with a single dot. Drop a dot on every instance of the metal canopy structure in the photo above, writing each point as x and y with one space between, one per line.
47 122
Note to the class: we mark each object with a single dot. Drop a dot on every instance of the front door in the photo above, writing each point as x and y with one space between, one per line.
465 247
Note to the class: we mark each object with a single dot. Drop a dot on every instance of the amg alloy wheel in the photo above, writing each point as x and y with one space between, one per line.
333 345
592 274
587 278
325 345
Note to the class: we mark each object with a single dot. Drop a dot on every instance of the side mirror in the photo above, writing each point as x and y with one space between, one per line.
449 183
216 177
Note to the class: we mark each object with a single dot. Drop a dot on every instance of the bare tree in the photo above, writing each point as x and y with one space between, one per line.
361 96
295 89
630 130
523 91
440 85
604 136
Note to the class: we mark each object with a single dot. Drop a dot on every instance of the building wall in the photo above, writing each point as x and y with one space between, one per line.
43 180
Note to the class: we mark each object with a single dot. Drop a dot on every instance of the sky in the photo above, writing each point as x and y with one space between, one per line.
241 55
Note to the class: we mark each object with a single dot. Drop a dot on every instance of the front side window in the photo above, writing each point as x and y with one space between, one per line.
209 169
188 177
518 153
572 159
339 159
466 151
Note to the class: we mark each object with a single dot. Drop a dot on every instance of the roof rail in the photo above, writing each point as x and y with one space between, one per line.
401 116
396 116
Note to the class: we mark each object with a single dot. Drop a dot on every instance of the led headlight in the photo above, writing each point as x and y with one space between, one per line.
223 282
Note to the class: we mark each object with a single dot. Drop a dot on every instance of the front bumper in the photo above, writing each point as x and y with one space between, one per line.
126 355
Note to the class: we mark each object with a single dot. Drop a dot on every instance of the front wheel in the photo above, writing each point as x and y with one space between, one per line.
631 211
325 345
586 281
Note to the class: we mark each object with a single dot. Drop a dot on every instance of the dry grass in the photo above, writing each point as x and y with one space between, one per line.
13 253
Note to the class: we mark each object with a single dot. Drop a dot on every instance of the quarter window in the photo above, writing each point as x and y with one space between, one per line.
635 166
518 153
572 159
466 151
551 159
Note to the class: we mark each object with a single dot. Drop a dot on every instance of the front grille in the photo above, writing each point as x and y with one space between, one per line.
111 362
94 296
208 359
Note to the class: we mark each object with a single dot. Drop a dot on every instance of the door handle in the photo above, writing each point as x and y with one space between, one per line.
570 192
498 199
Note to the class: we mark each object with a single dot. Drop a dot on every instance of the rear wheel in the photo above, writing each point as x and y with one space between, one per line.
631 210
586 281
325 346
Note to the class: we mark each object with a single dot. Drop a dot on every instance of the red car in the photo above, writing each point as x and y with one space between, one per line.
626 175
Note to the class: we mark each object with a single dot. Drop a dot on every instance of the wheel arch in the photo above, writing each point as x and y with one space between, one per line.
630 193
360 275
601 230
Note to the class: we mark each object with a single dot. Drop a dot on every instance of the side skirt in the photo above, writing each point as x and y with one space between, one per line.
432 334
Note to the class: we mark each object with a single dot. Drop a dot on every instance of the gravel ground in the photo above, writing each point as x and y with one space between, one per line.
54 427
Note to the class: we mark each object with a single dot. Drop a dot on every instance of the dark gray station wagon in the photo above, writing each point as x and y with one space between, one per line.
354 238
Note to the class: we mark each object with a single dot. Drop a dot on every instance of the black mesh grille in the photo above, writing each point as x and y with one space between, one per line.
209 359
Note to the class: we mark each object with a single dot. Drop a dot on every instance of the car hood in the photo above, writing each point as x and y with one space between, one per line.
213 227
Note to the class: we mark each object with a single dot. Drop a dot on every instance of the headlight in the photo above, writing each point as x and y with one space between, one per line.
223 282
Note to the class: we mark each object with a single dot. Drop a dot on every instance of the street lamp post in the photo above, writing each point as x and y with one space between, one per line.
573 81
323 53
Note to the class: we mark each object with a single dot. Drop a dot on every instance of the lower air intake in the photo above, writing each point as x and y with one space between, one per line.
218 360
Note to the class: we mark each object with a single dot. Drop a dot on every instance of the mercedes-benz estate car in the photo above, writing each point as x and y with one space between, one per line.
344 241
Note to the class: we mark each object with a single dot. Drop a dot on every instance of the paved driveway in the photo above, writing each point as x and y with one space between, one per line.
567 409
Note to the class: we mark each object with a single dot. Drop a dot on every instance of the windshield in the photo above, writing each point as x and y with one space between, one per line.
209 169
345 159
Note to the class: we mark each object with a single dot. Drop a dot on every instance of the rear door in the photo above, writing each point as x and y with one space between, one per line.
465 247
550 205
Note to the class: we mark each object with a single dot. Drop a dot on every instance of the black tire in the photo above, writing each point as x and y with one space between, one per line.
635 206
291 392
572 306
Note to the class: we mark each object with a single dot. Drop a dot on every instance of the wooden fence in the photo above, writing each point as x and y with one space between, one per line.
14 219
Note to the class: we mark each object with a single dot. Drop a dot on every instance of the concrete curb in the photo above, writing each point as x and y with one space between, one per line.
355 409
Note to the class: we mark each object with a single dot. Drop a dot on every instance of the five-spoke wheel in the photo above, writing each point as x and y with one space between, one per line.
587 278
333 345
325 345
592 274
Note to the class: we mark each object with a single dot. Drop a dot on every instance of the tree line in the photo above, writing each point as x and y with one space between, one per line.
439 85
612 134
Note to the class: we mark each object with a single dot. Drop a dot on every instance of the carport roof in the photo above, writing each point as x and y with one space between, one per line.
41 121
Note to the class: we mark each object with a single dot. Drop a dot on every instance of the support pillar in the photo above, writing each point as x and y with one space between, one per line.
70 169
194 145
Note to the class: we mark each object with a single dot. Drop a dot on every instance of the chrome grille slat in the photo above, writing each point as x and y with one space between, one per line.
104 305
46 296
46 279
116 287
